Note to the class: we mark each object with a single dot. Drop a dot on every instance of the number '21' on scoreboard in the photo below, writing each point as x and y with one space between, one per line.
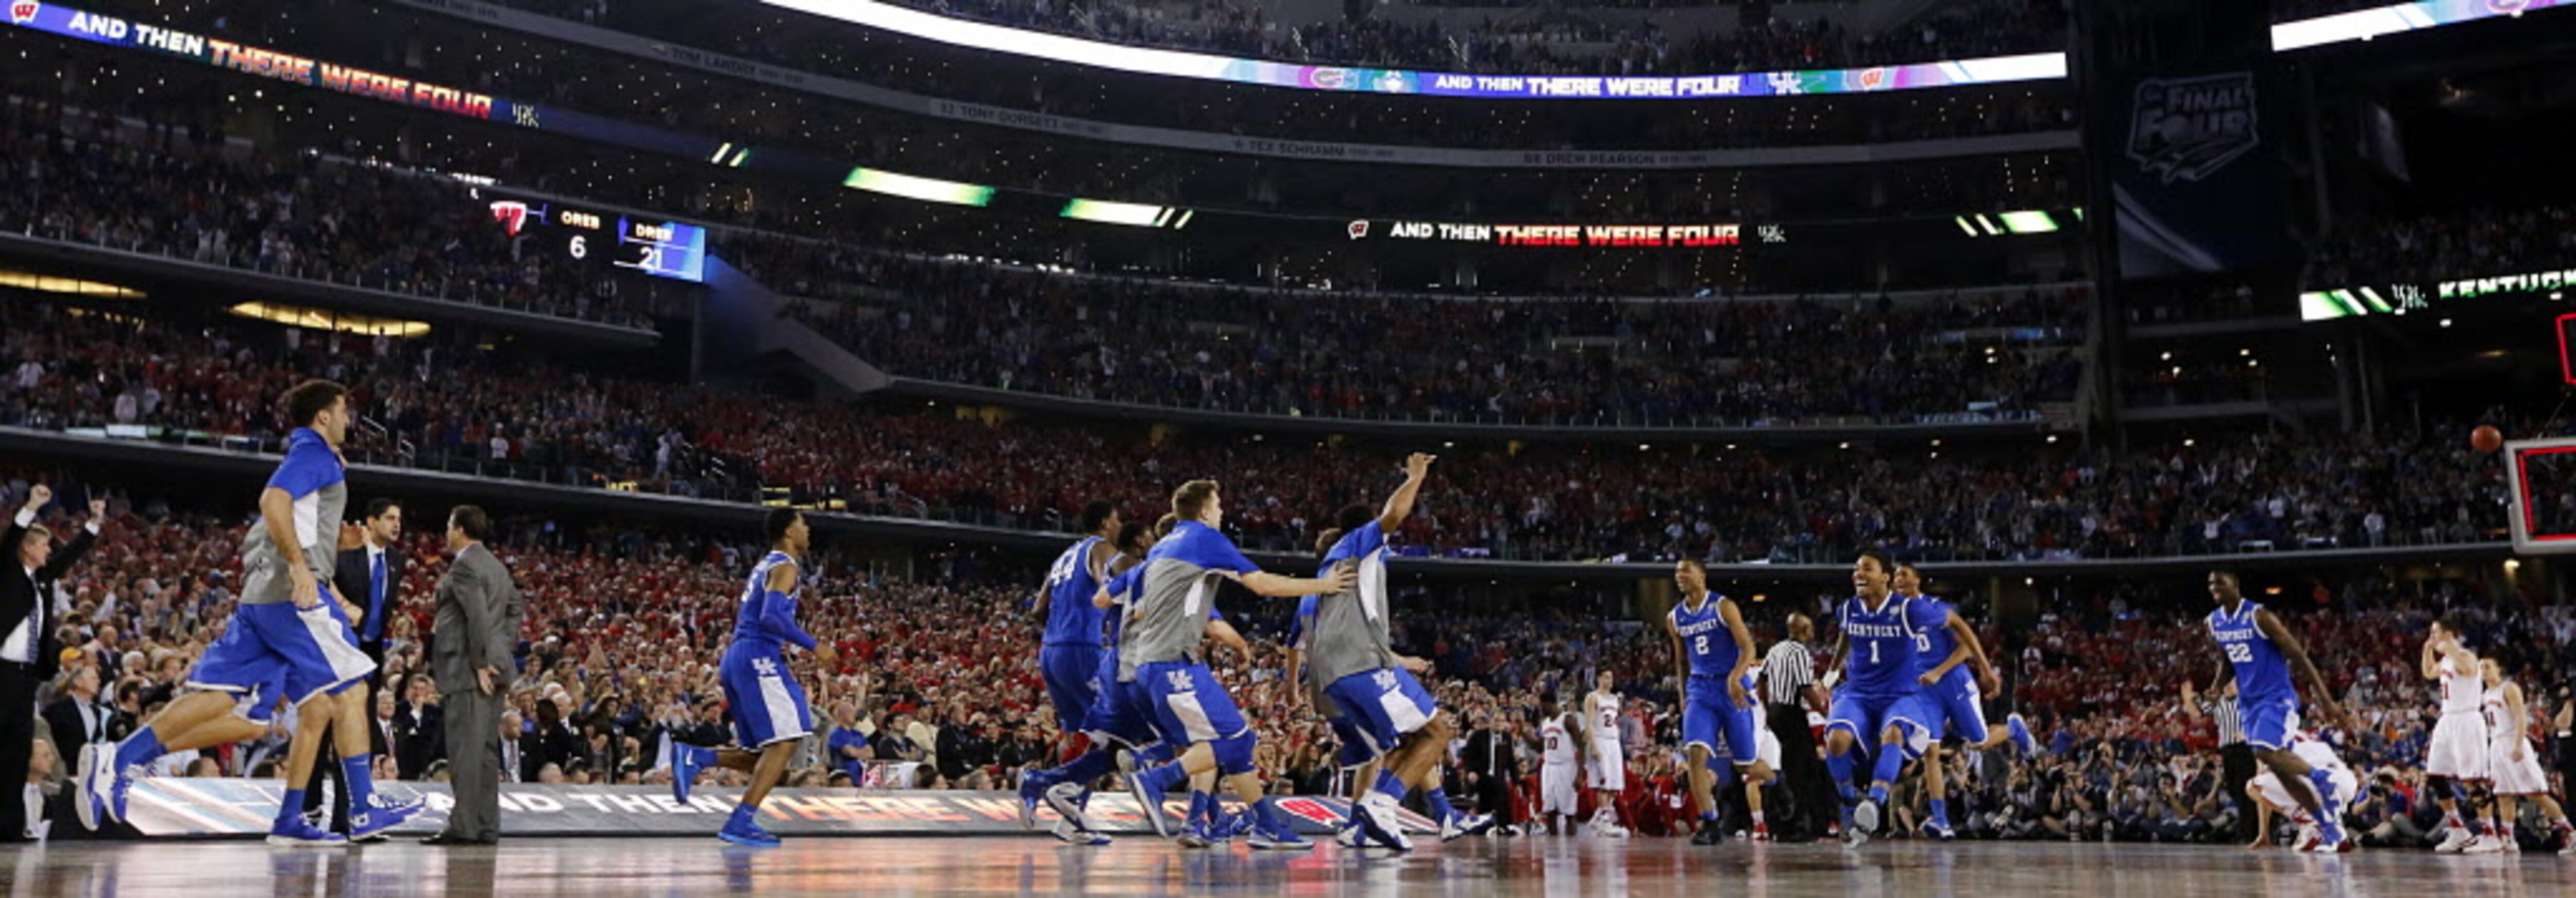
666 249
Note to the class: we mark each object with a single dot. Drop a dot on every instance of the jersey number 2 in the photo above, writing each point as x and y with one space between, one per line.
1699 644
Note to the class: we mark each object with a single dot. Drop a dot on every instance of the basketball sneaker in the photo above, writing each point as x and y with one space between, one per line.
741 829
1938 830
2483 844
2307 840
686 762
1070 834
1266 839
1379 820
381 814
1462 825
2455 839
1033 789
1761 833
1708 834
1068 800
1349 836
2021 735
294 832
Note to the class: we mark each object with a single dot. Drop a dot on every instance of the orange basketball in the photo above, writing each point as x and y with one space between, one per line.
2486 438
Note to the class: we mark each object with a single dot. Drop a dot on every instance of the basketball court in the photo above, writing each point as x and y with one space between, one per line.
1144 866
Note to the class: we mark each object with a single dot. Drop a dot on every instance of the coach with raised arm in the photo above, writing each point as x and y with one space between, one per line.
29 652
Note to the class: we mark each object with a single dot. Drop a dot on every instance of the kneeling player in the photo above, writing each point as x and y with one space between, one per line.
2270 797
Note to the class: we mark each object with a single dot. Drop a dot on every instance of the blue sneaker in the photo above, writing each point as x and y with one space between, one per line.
1462 825
1266 839
1149 798
1197 836
746 832
1234 826
381 814
686 762
2021 736
296 832
1070 834
1032 790
1939 829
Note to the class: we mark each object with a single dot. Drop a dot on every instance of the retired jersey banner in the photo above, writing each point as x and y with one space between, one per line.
215 808
2199 183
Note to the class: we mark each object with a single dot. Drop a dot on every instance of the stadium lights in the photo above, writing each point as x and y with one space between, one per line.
2029 222
45 283
928 190
1136 215
323 319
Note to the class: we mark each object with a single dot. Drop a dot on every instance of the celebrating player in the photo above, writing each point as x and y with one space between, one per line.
289 636
1713 652
2456 755
2515 765
2259 653
1881 695
769 711
1069 661
1950 695
1376 691
1357 762
1163 650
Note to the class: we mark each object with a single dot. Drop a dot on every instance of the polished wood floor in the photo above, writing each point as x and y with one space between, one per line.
1474 868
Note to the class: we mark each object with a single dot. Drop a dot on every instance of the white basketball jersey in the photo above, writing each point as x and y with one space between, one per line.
2461 690
1605 719
2499 715
2317 753
1555 742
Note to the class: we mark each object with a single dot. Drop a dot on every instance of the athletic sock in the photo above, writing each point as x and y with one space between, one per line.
1166 776
2451 820
1841 767
1202 807
1890 763
1266 811
1757 818
361 778
290 806
1941 812
1157 753
1878 793
1708 816
141 748
1438 799
1389 783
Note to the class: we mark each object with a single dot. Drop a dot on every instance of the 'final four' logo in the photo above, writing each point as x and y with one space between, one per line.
2188 128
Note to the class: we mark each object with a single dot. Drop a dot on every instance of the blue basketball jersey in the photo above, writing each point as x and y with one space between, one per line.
1884 658
1933 643
1070 584
1706 641
2261 672
750 621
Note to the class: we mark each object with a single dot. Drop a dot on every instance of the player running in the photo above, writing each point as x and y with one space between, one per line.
1069 660
2456 755
1954 699
1713 654
1881 694
2259 653
1163 650
769 710
289 636
1375 690
1358 764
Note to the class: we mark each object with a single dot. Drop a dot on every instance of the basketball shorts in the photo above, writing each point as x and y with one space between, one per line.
1119 711
2269 722
302 652
2458 747
1711 720
1189 705
1609 770
2524 777
1868 716
1556 794
1382 705
767 706
1956 706
1072 675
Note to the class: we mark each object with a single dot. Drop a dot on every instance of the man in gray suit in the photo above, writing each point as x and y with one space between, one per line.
478 625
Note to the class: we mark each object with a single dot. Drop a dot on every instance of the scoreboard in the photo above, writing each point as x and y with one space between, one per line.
665 249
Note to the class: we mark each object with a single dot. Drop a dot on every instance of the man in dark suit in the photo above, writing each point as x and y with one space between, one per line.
368 577
479 610
79 718
29 650
1491 760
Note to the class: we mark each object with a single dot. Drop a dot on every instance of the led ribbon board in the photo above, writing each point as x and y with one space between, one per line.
2353 26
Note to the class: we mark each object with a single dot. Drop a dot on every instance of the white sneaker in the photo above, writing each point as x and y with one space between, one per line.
1349 837
2484 844
2454 840
1067 800
1464 825
2308 839
1865 817
1611 831
1070 834
1383 818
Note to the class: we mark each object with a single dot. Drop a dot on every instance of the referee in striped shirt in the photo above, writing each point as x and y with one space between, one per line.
1789 690
2235 757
